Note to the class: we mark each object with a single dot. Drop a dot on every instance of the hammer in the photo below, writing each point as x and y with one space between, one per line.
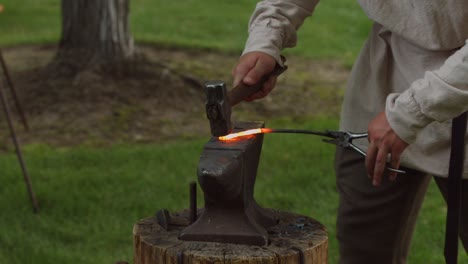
219 102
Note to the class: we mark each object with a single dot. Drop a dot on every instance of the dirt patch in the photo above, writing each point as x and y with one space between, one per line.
163 104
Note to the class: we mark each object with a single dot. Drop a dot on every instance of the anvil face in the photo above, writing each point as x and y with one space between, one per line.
227 173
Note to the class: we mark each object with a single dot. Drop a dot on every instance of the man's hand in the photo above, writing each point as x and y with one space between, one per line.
251 68
382 141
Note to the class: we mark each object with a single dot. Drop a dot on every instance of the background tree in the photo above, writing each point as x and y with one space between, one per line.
95 34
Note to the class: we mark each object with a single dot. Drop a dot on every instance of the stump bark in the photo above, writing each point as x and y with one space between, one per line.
296 239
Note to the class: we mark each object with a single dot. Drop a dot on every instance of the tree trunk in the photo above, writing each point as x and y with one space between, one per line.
94 33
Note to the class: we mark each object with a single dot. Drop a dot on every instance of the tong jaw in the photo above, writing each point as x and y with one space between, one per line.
345 139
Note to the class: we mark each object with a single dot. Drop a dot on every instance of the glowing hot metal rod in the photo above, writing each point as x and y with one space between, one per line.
249 132
339 138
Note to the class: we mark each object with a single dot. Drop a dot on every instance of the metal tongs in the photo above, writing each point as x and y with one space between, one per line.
345 140
342 139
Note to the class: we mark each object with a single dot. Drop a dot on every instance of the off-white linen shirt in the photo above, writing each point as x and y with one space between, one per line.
414 66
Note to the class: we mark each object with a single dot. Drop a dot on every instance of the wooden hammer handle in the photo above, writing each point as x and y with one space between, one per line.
242 91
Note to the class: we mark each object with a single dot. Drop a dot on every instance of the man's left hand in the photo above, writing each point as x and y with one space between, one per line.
382 141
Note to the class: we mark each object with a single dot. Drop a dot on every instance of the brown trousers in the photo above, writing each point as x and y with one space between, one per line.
376 224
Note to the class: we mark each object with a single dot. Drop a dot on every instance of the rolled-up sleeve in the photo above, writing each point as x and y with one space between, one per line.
440 96
274 24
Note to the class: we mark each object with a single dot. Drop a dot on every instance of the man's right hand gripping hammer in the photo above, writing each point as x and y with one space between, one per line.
219 102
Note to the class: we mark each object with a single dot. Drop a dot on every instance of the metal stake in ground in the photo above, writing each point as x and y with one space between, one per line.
13 92
26 177
454 191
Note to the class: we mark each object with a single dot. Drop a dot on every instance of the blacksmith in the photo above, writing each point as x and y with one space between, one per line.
409 81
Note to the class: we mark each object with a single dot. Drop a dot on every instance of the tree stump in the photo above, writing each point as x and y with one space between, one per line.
296 239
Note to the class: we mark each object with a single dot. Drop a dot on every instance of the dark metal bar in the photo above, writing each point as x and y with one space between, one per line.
13 92
180 257
26 177
300 131
301 254
457 156
164 218
193 202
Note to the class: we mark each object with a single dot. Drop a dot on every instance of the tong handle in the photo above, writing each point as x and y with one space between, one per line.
365 154
356 135
344 139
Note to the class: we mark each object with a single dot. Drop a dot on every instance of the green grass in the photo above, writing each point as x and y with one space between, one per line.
25 22
90 198
337 30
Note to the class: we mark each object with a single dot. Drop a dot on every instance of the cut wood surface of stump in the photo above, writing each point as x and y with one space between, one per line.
296 239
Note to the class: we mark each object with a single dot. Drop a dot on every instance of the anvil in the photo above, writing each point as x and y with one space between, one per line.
226 173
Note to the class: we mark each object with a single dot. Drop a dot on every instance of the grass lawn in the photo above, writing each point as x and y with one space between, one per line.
91 197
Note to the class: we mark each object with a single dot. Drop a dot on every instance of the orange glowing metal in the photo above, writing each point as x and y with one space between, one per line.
245 133
250 132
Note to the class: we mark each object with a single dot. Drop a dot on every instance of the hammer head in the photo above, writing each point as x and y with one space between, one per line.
218 109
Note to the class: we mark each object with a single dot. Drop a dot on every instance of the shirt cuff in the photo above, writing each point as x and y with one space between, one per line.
267 40
404 115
